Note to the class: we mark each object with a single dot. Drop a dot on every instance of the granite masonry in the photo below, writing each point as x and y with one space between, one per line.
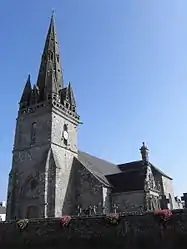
50 177
131 231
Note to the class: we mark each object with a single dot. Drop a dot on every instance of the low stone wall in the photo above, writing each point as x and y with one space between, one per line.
133 231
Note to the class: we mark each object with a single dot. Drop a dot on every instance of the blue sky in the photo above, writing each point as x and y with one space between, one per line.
127 61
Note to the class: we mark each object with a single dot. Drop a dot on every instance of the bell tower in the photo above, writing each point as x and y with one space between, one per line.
45 143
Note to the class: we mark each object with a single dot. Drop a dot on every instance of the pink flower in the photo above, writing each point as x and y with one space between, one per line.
164 214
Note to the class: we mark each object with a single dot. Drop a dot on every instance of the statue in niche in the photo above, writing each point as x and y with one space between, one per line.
151 181
147 204
154 203
146 185
158 186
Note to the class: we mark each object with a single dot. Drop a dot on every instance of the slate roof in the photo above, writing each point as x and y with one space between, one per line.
123 177
2 210
127 181
136 165
99 167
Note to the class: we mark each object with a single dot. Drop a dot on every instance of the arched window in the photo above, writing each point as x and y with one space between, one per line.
65 127
57 57
33 133
51 56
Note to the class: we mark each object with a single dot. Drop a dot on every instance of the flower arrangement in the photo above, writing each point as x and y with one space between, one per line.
22 224
113 218
164 214
65 220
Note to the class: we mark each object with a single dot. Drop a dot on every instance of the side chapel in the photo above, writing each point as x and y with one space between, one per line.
50 177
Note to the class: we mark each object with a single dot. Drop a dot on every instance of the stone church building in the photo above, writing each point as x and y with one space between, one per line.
50 177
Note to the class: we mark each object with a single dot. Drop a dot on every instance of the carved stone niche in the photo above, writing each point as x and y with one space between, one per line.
154 202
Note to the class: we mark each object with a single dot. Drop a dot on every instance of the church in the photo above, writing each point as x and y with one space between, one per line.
50 177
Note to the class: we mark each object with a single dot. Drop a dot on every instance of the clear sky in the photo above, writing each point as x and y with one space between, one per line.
127 61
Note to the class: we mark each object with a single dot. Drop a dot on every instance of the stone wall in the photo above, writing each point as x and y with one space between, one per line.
128 201
133 231
88 188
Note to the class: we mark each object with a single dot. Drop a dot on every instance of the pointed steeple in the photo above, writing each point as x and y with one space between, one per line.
26 95
51 84
50 62
71 96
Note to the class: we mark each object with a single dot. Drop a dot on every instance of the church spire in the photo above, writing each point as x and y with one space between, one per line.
50 65
71 96
26 95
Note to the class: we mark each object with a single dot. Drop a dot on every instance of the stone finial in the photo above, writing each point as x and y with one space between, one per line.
144 153
26 95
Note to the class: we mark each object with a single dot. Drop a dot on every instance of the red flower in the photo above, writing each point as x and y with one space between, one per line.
64 220
164 214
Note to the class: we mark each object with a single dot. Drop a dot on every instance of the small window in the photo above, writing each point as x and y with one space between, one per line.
57 57
65 142
51 56
33 133
65 127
